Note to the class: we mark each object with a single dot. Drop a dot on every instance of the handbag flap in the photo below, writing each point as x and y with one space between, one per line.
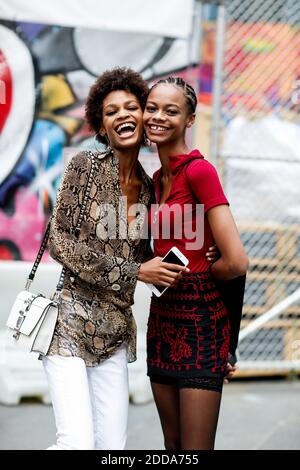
38 307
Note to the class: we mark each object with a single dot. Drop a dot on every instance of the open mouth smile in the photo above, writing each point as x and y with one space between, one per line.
126 129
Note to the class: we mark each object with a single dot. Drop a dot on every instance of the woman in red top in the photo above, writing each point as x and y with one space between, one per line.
188 330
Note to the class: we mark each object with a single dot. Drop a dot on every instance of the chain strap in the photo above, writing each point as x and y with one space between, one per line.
76 232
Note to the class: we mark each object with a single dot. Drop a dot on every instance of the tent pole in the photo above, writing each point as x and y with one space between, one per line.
218 82
195 47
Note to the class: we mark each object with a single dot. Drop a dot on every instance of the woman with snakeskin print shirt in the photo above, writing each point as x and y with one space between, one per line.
95 335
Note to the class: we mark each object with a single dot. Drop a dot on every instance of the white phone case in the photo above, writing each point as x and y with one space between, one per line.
181 258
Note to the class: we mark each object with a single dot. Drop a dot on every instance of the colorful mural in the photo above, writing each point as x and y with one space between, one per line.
45 75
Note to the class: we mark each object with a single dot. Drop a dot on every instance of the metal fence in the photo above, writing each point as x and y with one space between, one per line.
256 146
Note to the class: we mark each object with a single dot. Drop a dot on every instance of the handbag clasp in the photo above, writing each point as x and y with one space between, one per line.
28 284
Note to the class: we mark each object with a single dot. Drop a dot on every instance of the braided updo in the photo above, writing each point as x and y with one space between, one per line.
188 90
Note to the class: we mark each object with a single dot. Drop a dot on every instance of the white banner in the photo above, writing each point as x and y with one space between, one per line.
170 18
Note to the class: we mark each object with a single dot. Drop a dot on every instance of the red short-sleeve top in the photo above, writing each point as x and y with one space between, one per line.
182 221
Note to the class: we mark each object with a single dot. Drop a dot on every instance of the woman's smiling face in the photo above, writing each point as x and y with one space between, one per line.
166 114
122 119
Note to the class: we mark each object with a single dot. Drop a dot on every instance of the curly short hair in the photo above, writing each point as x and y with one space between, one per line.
119 78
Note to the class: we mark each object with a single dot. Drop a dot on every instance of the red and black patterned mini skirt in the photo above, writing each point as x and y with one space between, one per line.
188 335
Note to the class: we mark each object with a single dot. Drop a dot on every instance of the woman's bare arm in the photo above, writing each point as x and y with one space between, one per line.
233 261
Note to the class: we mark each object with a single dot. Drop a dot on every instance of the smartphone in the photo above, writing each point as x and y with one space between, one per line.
174 256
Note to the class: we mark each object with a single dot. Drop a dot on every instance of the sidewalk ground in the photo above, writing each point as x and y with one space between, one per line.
254 415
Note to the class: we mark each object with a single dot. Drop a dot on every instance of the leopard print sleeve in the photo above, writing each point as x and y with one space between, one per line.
80 255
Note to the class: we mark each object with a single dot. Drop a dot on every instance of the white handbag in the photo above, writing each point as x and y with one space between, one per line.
33 317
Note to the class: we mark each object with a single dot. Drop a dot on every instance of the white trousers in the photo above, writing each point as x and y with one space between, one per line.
90 403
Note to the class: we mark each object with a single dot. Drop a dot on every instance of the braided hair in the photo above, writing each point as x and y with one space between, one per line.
188 90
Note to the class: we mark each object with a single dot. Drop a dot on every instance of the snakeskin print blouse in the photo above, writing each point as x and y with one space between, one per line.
95 316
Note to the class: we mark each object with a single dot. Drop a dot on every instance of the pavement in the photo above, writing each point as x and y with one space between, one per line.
255 415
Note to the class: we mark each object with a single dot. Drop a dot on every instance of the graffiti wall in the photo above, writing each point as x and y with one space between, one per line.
45 75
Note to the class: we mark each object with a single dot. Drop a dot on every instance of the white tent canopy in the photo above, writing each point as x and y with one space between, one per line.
172 18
